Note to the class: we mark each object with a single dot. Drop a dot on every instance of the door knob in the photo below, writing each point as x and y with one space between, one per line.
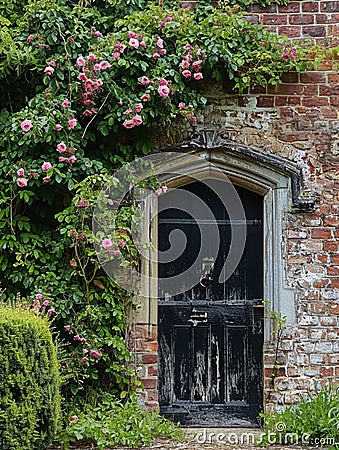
206 280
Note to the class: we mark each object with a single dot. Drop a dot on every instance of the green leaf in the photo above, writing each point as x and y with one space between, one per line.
60 74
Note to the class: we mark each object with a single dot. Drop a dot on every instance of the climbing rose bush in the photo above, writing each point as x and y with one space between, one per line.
87 88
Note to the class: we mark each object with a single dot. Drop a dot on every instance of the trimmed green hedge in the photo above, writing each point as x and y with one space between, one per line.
29 381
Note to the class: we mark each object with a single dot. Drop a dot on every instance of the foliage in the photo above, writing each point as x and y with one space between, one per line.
29 391
85 87
92 311
314 421
112 423
277 327
247 3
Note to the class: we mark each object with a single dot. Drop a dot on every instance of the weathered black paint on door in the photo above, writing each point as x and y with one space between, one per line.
210 336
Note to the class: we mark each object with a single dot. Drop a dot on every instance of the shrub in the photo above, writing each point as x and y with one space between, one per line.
29 390
113 422
314 421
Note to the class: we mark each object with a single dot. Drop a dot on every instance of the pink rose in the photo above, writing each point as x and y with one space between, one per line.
138 107
120 102
137 120
116 252
196 65
97 67
26 125
36 305
122 244
58 127
156 55
198 76
46 179
81 61
187 47
133 43
184 64
128 124
186 73
119 47
83 340
20 172
143 44
61 148
95 353
38 296
160 43
30 38
72 123
49 70
84 351
72 159
163 91
52 311
182 105
162 82
145 81
105 65
128 112
52 63
163 51
107 243
97 34
66 103
145 97
67 328
84 360
22 182
46 303
76 338
115 55
88 112
46 166
82 77
133 35
92 57
88 85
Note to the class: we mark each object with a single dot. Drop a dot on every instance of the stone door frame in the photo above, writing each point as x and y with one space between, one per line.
280 183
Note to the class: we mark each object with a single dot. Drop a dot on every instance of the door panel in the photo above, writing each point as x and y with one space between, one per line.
210 337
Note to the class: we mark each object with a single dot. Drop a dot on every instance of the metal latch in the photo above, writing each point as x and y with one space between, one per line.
197 317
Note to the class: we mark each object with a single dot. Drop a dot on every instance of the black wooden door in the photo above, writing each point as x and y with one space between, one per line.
210 335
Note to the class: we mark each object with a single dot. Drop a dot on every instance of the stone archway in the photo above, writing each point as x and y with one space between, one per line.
279 182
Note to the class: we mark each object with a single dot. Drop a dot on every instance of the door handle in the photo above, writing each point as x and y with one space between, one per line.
198 317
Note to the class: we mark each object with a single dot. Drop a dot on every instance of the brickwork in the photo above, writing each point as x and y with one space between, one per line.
299 121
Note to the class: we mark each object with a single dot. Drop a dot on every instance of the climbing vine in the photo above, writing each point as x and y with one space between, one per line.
84 87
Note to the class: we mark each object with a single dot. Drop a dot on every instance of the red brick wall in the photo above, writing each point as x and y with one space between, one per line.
299 121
